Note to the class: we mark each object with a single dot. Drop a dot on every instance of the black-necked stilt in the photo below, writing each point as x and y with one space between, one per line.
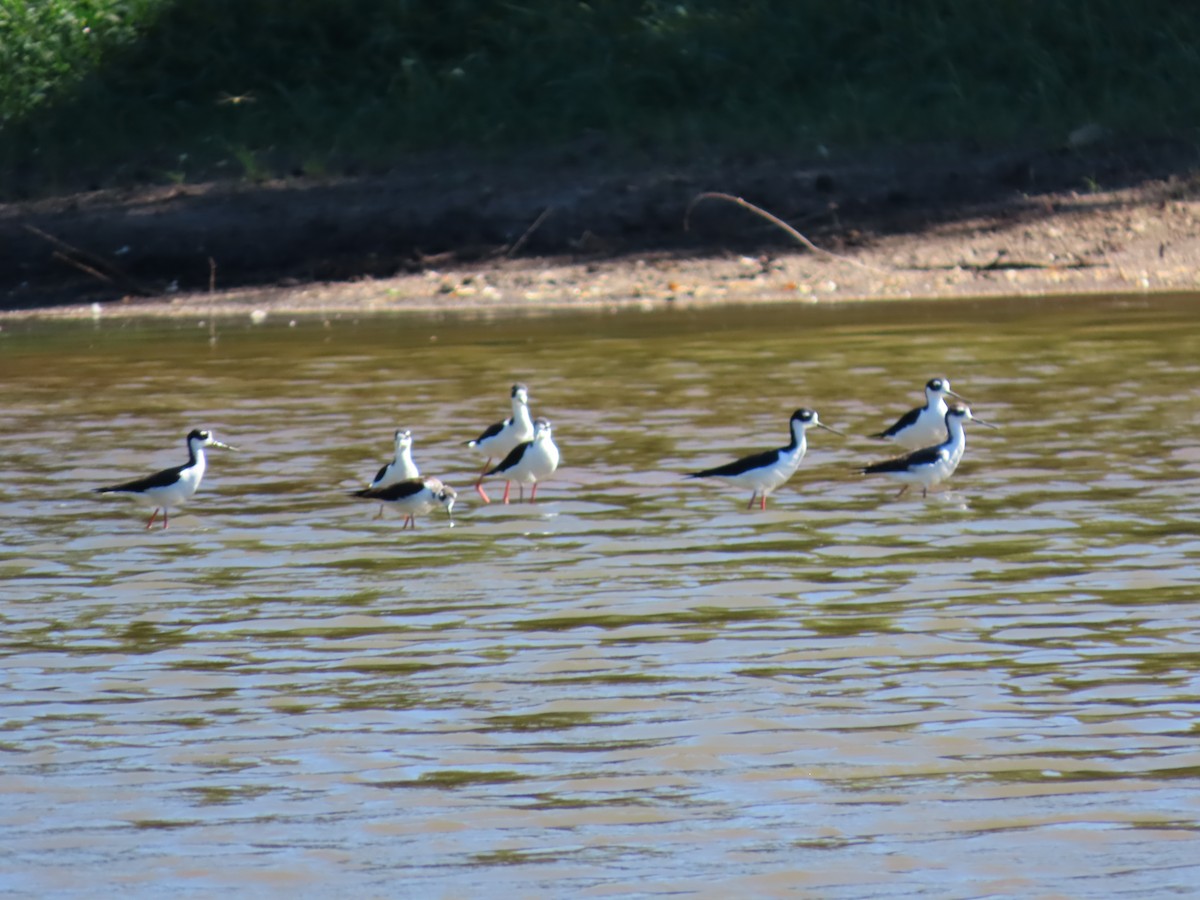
499 439
763 472
413 497
170 487
402 468
926 425
529 462
932 465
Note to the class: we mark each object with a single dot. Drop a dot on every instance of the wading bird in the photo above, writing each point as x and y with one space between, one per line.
765 471
172 487
499 439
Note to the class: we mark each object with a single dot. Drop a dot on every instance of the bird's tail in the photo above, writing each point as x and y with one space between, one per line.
890 465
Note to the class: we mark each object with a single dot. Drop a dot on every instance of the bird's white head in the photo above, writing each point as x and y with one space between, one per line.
807 418
940 387
520 394
198 438
403 440
445 494
962 414
541 429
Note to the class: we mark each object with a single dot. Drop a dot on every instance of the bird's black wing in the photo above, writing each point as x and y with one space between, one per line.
926 457
398 491
903 422
741 466
491 431
514 457
382 471
165 478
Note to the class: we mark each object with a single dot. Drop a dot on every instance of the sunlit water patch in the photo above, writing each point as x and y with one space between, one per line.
636 686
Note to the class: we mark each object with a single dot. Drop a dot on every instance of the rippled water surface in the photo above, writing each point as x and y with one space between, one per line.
635 687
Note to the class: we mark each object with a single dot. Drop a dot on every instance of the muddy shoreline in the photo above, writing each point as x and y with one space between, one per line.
442 235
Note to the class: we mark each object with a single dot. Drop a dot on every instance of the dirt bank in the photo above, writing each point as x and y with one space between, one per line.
450 233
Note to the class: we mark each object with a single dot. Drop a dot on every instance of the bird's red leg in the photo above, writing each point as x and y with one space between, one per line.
750 505
153 516
507 488
165 518
764 500
533 493
479 482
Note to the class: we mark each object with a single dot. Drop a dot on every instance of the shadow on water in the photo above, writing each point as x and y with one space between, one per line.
635 685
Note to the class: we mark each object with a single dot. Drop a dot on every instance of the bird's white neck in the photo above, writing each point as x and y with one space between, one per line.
199 463
799 443
958 434
521 414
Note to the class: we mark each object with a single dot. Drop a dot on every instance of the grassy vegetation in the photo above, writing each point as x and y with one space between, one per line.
96 92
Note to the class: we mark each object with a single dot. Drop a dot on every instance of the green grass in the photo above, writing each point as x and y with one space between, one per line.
98 92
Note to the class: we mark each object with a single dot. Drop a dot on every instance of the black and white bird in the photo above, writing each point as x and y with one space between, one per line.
172 487
413 497
931 466
499 439
530 462
402 468
765 471
925 425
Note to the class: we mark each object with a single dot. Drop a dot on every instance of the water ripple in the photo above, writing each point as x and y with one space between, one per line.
636 686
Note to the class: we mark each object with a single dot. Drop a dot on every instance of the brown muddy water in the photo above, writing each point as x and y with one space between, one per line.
635 687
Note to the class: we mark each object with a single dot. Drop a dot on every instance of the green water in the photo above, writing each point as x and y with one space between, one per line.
636 686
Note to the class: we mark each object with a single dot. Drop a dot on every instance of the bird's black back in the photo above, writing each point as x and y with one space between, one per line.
492 430
740 466
924 457
903 422
165 478
398 491
515 455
